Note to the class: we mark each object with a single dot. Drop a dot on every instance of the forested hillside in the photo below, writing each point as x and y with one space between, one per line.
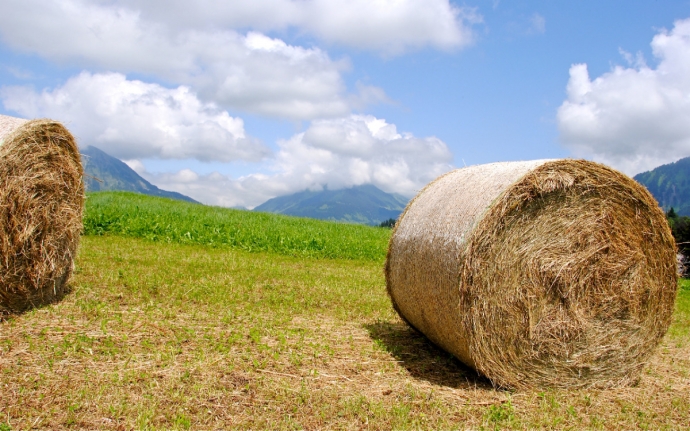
670 185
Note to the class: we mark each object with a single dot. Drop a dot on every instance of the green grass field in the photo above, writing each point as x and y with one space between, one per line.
164 220
172 331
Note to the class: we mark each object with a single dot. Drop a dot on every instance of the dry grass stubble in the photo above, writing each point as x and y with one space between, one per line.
175 337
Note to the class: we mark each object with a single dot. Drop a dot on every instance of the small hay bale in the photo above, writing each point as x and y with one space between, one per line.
548 273
41 204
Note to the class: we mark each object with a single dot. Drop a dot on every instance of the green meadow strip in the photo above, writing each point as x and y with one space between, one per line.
166 220
680 329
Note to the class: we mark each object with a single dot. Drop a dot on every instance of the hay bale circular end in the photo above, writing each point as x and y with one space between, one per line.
549 273
41 205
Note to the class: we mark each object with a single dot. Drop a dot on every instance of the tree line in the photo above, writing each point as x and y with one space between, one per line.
680 227
390 223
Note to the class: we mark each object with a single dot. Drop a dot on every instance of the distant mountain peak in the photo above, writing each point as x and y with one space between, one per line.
365 204
105 172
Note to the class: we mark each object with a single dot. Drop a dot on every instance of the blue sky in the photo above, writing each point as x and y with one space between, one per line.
233 103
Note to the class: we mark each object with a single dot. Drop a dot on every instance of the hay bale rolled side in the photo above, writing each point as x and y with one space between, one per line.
549 273
41 205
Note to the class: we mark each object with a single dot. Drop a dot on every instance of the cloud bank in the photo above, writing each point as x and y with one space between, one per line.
195 61
198 44
131 119
632 118
334 153
250 72
388 26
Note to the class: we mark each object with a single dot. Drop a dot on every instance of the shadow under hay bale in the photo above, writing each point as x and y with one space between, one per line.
549 273
422 359
41 205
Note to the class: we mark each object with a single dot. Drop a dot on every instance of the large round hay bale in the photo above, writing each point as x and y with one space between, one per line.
41 204
548 273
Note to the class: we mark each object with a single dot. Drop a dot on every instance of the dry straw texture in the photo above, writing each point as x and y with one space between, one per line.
549 273
41 203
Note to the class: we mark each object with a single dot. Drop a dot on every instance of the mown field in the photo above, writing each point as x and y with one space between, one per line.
189 317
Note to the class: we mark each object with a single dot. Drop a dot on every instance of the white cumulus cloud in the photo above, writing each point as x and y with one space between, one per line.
389 26
334 153
130 119
633 118
250 71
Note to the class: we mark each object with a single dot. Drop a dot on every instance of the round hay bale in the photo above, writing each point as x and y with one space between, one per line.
41 204
547 273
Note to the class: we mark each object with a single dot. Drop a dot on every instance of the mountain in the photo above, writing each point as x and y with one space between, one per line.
104 172
364 204
670 185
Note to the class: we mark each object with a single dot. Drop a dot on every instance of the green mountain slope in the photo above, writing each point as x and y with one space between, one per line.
364 204
104 172
670 185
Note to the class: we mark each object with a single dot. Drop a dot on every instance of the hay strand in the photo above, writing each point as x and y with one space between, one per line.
548 273
41 204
